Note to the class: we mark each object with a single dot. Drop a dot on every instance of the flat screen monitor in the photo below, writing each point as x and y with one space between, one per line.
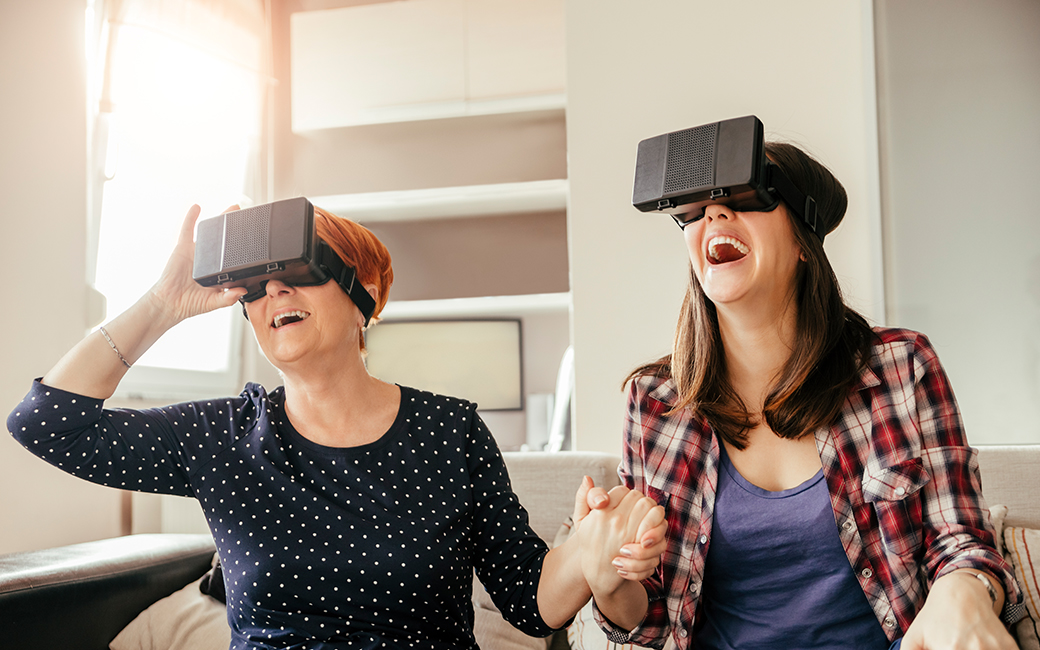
477 360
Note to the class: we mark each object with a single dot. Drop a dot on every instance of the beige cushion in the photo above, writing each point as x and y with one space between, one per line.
492 631
1022 550
191 620
997 515
546 482
185 620
1010 477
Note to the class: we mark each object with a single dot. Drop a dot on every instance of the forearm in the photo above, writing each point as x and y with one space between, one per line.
626 606
92 368
562 589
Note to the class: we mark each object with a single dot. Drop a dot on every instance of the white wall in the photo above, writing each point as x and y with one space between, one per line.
42 211
639 69
960 108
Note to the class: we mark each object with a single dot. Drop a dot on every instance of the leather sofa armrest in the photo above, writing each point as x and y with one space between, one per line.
79 597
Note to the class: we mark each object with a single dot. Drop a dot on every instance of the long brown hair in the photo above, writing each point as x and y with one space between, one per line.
832 341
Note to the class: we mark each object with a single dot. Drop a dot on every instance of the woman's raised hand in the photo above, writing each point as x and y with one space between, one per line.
176 294
94 368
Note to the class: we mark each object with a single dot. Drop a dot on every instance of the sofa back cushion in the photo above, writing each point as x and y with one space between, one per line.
545 483
1011 477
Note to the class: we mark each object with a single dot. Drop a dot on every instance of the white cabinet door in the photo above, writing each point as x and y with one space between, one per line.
425 59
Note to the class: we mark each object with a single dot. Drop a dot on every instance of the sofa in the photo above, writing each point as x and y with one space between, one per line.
82 597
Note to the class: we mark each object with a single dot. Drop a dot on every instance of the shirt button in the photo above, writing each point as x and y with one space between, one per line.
847 526
694 586
866 573
890 622
704 539
900 491
683 633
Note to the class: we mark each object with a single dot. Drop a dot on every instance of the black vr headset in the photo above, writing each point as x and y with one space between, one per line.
682 172
273 241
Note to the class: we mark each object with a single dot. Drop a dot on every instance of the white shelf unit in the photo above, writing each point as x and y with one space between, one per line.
455 202
482 307
449 202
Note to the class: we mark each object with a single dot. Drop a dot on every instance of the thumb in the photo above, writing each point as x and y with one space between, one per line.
231 296
581 507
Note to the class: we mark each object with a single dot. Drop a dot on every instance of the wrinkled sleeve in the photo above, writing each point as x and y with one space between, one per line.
508 553
958 533
653 630
151 450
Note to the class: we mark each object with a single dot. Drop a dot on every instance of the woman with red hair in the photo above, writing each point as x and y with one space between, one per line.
347 512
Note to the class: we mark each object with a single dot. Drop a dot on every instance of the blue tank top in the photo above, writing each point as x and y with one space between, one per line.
777 577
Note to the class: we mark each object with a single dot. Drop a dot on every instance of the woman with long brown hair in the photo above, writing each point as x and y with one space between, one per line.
818 486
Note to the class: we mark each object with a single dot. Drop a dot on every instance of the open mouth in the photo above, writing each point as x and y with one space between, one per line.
725 249
287 317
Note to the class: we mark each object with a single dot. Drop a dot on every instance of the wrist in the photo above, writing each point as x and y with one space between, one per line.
159 309
981 584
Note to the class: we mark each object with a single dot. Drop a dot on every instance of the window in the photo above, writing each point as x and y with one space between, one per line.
177 120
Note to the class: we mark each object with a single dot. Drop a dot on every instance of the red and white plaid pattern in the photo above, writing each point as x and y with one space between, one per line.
904 488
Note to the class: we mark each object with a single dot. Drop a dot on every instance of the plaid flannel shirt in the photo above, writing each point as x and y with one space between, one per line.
903 482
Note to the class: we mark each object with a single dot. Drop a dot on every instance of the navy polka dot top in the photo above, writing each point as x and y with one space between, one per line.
362 547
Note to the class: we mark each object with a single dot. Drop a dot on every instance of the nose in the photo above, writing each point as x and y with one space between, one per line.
716 211
277 287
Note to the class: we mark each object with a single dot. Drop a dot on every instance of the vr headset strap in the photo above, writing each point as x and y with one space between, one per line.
804 206
346 277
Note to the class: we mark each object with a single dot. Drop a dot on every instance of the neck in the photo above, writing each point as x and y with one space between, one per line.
338 404
757 344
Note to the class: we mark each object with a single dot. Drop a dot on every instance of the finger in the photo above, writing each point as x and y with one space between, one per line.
635 569
640 509
654 536
581 505
231 296
597 498
187 232
624 501
231 208
639 551
651 523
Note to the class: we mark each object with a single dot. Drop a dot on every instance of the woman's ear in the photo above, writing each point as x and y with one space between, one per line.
373 291
802 256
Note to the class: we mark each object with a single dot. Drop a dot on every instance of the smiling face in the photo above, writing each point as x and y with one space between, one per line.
744 258
294 324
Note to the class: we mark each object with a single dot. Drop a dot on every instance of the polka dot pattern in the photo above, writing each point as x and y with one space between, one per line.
364 547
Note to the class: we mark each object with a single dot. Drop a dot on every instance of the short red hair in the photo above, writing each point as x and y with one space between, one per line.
359 248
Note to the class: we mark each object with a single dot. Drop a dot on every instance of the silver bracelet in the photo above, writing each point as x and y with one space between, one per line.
127 363
989 586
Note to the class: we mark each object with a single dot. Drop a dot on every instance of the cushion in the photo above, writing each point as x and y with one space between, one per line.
184 620
1022 550
997 515
192 620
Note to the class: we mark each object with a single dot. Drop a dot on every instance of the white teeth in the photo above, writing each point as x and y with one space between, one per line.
279 320
715 242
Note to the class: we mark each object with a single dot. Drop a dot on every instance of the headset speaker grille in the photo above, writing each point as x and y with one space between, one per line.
247 232
691 158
